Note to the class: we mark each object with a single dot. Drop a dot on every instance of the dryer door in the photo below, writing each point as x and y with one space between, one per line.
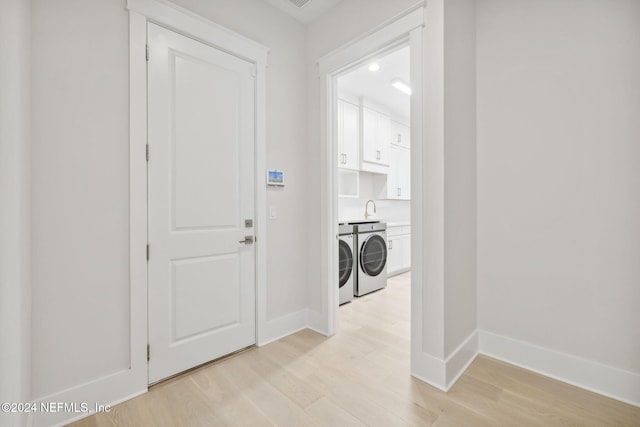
345 266
373 255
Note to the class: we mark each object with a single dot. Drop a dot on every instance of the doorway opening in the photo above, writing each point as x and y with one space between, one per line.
403 31
372 115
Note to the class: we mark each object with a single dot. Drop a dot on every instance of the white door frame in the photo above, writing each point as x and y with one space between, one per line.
407 27
198 28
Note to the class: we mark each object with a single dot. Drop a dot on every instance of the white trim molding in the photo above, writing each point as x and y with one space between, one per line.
15 172
587 374
460 359
283 326
184 21
378 38
109 390
443 374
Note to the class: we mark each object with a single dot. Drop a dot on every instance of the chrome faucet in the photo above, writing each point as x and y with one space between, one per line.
366 208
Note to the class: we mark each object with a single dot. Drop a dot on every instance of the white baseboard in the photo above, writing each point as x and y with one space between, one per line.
460 359
590 375
443 374
429 369
317 321
109 390
282 326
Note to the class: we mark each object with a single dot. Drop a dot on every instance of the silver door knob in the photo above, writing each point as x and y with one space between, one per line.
247 240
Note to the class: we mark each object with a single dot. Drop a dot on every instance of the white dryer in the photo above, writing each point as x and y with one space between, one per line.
346 263
371 243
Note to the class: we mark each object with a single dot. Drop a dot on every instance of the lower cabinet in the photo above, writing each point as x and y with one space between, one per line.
398 250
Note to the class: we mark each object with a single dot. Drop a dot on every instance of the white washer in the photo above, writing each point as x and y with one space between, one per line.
371 241
347 263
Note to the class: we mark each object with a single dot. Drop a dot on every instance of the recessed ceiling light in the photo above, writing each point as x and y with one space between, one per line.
401 86
374 67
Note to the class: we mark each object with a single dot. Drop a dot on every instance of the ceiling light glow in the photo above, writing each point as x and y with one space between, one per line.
401 86
374 67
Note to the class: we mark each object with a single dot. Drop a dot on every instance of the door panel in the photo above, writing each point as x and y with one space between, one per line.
199 308
206 118
201 190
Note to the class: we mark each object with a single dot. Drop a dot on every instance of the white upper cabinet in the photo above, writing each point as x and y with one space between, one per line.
399 177
376 134
348 135
400 134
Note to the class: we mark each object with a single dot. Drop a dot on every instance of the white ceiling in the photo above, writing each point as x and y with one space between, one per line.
307 13
376 85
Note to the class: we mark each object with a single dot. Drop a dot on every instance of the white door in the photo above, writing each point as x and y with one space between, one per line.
201 191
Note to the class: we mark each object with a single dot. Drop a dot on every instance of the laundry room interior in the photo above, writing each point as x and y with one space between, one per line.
374 159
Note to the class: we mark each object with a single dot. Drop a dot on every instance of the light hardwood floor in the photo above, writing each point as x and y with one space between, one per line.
360 377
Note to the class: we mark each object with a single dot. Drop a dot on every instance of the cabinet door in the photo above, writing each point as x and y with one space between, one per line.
394 255
369 131
399 134
383 138
398 254
393 188
405 243
402 135
399 177
350 135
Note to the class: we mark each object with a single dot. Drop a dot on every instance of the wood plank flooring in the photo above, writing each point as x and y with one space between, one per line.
360 377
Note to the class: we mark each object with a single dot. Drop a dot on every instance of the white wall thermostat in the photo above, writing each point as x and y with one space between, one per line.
275 178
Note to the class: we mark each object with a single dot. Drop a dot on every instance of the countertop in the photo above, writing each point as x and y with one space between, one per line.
389 223
398 224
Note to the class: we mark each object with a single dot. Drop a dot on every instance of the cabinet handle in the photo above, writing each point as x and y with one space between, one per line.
345 158
377 154
390 244
399 138
399 191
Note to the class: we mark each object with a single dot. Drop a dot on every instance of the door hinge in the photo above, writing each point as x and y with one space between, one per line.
147 152
147 52
148 352
147 252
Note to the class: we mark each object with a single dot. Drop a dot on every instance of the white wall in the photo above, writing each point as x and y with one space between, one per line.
374 187
14 205
80 174
558 177
460 172
80 232
449 341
